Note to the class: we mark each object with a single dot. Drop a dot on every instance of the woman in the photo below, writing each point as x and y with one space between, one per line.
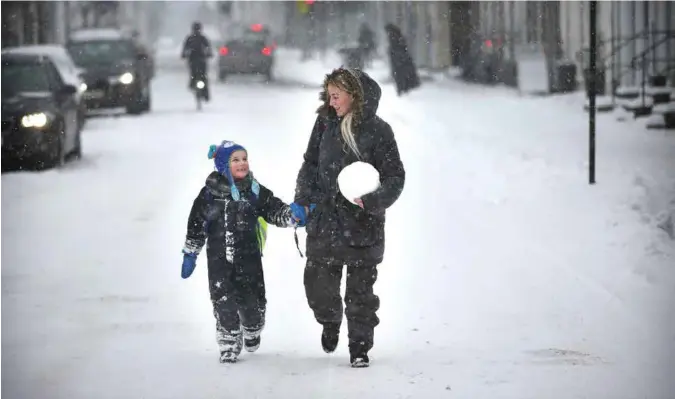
340 233
403 68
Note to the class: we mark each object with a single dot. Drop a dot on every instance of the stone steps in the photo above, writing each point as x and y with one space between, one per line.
656 104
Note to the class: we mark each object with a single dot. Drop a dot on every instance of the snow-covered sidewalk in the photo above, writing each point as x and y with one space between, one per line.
503 200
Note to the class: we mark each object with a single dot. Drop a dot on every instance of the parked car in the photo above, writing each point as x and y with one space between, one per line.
250 53
70 73
39 111
117 72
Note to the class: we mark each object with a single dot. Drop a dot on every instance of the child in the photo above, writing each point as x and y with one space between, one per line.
227 212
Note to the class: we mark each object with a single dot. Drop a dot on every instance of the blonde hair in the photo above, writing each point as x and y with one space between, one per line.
348 134
347 81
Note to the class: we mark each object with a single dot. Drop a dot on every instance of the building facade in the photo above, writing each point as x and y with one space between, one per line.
632 36
43 22
33 22
425 24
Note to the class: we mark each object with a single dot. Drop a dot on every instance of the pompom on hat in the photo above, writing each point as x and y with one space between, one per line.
221 155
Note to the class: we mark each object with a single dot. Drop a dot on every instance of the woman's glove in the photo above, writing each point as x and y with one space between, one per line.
300 213
189 264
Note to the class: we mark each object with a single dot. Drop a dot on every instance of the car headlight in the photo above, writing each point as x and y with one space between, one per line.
83 87
126 78
200 85
38 120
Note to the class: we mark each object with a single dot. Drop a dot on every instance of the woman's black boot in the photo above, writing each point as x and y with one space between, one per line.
330 337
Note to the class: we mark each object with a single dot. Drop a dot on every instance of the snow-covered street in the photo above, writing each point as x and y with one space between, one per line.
505 276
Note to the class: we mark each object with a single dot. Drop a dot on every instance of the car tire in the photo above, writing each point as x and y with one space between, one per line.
138 103
57 154
268 76
9 162
81 117
147 102
135 107
77 151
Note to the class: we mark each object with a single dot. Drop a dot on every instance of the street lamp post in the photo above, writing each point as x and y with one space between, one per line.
591 95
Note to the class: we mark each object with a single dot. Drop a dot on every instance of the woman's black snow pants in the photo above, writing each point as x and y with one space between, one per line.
322 287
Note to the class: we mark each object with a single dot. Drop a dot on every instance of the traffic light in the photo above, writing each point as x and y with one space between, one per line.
305 6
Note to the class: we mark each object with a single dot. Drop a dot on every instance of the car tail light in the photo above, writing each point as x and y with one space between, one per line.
223 50
267 51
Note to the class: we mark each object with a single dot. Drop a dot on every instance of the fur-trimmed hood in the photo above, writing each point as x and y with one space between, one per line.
366 100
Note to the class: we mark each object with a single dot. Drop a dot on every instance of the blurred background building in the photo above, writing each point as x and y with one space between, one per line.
485 40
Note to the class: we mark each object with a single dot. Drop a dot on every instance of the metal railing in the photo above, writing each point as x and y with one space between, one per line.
613 59
640 63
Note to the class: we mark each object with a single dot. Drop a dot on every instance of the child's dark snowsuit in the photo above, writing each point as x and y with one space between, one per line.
236 280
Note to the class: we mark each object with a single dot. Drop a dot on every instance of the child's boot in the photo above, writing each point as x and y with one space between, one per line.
251 340
228 357
230 344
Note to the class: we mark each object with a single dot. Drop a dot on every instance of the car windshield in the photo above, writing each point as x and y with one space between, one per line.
254 44
101 52
23 77
252 37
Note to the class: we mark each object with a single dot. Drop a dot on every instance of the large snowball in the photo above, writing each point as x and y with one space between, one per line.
358 179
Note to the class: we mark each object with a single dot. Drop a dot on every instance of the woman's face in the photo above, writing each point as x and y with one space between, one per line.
239 164
340 100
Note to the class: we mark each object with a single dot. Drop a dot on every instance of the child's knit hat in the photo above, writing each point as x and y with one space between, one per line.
221 155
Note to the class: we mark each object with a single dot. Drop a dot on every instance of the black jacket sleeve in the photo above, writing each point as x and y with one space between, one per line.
208 52
392 174
306 189
274 210
196 234
184 53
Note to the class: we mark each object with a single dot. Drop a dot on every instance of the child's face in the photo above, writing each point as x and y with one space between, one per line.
239 164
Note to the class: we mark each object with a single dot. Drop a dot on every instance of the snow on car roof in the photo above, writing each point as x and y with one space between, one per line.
42 49
97 34
57 53
11 57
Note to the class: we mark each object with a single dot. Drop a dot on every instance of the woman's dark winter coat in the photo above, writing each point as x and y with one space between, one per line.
402 65
338 230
